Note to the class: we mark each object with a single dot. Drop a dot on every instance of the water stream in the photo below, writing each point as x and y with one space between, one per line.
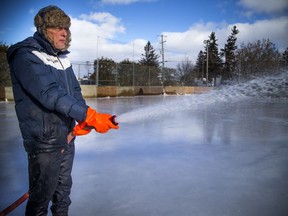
275 86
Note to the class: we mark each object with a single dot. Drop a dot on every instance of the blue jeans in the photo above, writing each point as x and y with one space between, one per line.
50 180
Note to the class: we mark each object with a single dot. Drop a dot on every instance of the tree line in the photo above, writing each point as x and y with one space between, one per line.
232 63
225 65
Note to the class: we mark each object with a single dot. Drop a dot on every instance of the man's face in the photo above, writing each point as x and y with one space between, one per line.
58 37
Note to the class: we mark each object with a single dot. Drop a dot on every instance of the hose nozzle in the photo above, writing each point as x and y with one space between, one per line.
113 120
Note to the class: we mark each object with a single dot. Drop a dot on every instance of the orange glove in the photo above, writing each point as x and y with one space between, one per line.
100 121
78 131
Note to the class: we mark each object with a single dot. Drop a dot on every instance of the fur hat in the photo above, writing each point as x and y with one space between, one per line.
52 17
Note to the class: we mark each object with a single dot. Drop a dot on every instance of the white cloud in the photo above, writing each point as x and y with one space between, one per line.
267 6
104 23
93 35
180 45
273 29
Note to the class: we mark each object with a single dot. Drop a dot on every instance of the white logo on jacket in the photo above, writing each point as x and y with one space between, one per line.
58 62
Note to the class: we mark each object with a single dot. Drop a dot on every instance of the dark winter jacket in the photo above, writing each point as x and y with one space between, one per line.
47 94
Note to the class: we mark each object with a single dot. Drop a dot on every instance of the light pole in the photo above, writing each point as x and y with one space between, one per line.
162 68
133 82
97 64
207 58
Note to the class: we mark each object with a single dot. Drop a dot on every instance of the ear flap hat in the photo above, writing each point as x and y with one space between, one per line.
52 17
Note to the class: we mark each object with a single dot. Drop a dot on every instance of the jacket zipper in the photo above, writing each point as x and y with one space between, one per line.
67 85
65 74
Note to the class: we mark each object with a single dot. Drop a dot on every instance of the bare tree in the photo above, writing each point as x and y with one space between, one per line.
257 59
184 72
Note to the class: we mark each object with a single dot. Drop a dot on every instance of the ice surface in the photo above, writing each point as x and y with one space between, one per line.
192 155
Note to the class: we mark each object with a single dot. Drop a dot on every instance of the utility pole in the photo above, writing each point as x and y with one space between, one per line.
162 49
162 68
97 63
133 66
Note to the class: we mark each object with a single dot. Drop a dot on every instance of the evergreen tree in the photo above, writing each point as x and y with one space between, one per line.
285 56
150 58
228 52
149 66
214 60
107 71
199 67
125 72
5 79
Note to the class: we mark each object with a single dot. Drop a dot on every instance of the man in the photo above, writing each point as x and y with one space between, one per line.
48 100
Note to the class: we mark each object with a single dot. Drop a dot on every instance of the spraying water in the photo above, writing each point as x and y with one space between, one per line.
275 86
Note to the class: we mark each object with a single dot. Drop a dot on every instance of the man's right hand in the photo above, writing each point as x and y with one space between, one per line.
78 131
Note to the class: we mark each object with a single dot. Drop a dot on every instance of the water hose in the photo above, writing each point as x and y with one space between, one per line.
15 204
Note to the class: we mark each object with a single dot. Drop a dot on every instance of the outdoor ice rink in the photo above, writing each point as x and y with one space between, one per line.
218 154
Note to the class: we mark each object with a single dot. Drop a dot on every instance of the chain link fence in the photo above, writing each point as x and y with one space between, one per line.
115 74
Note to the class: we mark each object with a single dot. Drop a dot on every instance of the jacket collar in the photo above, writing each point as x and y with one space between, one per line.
44 43
37 42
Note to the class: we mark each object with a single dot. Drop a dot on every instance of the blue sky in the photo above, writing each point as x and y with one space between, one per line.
119 29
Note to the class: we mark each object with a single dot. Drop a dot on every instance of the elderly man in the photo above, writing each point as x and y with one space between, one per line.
48 100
